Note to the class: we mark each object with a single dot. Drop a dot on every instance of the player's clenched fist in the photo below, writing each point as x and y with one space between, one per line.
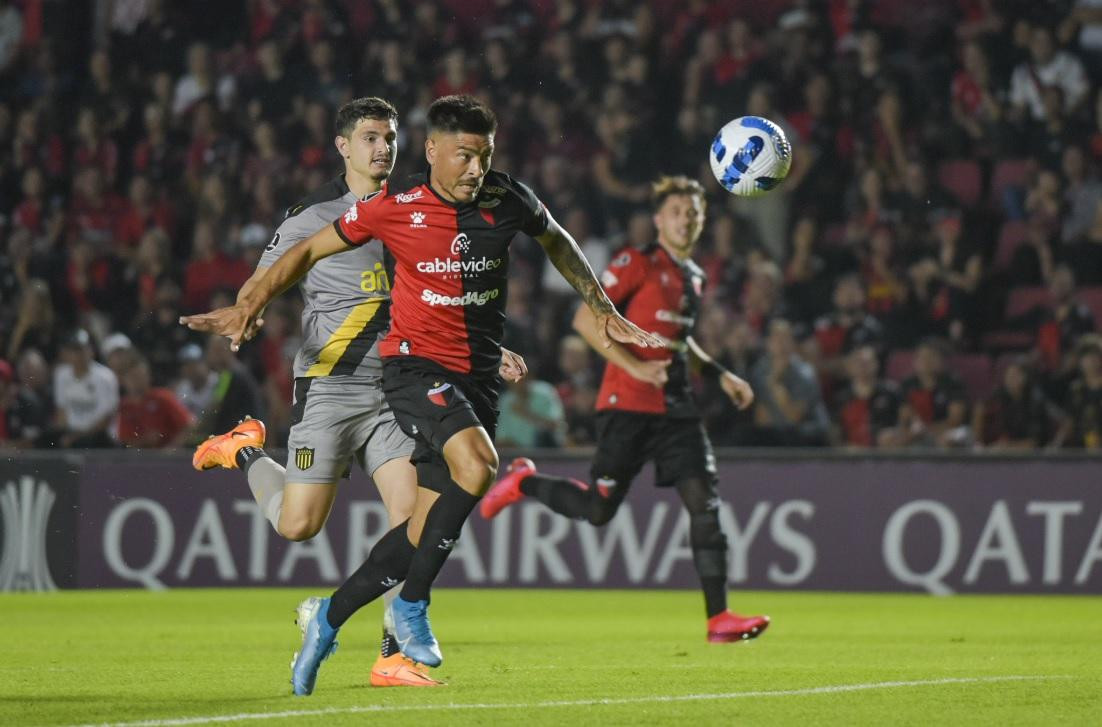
234 322
736 388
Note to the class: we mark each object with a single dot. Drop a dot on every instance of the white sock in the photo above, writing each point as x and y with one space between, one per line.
266 480
388 598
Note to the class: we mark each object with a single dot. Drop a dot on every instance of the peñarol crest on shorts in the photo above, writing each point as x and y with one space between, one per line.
304 457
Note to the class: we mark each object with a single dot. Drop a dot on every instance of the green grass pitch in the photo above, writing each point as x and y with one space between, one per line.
559 657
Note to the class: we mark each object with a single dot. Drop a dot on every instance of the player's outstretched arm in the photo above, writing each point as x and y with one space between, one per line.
737 388
566 256
651 372
240 322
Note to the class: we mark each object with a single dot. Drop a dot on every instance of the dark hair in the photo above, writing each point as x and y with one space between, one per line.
461 114
366 107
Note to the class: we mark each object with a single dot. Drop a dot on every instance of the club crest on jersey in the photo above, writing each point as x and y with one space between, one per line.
403 348
417 219
407 197
436 393
350 215
304 458
461 244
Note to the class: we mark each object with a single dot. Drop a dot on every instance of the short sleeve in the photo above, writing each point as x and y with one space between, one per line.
357 225
293 230
625 275
534 214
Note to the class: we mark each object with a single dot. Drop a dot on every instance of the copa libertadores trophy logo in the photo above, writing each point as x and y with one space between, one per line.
25 511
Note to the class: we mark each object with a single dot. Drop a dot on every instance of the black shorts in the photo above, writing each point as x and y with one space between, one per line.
679 447
432 403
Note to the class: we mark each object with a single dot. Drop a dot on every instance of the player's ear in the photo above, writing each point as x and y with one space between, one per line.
430 150
342 146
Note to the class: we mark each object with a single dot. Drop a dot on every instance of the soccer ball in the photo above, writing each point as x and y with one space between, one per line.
750 156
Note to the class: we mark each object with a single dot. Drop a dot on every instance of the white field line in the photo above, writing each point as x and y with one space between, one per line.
386 709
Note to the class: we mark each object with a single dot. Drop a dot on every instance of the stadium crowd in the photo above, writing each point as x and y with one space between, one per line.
930 274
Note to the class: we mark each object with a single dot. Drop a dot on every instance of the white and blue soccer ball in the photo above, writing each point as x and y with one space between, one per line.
750 156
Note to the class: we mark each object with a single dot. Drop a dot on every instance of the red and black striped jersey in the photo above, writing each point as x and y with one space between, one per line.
451 262
660 294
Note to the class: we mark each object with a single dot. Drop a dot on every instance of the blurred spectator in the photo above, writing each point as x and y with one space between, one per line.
34 375
1059 323
1047 66
236 395
11 32
210 269
1082 194
35 324
23 416
577 390
1083 428
1017 415
196 385
159 335
844 329
935 408
867 408
149 417
788 406
86 394
118 353
531 415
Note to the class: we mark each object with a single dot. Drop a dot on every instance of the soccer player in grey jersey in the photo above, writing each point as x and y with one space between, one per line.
339 411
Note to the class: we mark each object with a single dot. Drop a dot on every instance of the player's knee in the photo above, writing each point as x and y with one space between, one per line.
299 529
476 472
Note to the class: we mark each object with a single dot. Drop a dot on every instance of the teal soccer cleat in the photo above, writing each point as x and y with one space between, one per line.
319 640
412 632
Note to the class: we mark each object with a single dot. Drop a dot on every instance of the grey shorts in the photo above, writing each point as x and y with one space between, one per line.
336 419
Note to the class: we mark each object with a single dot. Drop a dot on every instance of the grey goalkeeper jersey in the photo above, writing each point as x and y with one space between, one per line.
347 295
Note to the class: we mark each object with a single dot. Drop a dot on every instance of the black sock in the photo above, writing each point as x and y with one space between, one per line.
390 645
559 493
442 525
385 567
715 595
247 455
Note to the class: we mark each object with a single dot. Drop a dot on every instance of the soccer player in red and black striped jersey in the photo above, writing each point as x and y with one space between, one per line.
645 406
449 233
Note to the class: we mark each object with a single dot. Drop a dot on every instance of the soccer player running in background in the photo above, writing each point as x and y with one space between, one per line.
339 411
449 232
645 405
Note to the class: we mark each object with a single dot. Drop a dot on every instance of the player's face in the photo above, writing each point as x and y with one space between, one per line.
459 163
679 221
371 148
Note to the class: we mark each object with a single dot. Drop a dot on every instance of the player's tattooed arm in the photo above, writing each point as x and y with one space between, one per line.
238 321
567 257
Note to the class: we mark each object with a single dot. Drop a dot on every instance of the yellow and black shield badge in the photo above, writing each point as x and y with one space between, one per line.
304 457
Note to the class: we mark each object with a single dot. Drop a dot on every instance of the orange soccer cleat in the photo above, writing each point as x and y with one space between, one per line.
398 671
729 626
221 450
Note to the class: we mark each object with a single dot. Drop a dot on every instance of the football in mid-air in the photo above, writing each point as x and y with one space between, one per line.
750 156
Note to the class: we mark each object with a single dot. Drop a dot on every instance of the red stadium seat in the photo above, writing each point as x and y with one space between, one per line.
1022 300
1012 234
1007 173
962 178
974 370
900 365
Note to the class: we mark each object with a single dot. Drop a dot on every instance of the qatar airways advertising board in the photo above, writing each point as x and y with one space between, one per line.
935 526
